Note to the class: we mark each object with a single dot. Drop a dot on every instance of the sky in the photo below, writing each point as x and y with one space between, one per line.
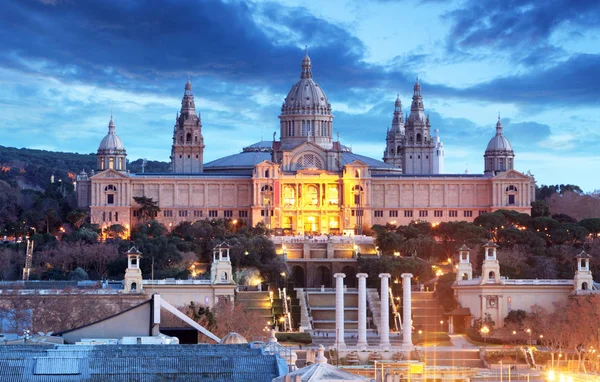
66 65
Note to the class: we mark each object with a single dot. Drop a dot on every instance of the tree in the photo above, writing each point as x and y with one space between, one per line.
592 225
148 209
77 218
115 231
539 208
78 274
516 317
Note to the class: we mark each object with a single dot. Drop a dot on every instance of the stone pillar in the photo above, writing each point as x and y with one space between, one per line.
339 310
407 310
362 310
384 327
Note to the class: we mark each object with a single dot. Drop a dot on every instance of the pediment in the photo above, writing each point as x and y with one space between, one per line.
512 175
267 163
110 174
357 163
308 146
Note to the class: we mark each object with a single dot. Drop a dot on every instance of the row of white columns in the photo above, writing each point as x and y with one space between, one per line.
384 327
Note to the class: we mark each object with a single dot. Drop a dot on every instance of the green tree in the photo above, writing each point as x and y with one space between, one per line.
77 218
78 274
148 208
539 208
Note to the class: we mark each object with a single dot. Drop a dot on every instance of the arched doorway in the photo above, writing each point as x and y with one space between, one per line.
133 286
323 276
350 280
298 276
584 286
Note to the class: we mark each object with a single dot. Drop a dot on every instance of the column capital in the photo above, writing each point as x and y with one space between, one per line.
363 275
385 275
342 275
406 275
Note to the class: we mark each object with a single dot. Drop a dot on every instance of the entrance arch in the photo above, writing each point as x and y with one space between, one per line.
298 276
323 276
350 280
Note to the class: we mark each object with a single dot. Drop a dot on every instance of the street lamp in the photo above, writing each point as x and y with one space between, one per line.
484 332
529 332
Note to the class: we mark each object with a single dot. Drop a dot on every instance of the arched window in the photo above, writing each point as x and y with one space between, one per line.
121 167
196 139
418 138
584 286
224 276
311 196
133 286
188 138
111 162
511 188
266 173
289 196
492 276
333 197
398 149
309 161
357 174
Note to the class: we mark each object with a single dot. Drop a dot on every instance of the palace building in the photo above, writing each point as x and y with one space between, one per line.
306 182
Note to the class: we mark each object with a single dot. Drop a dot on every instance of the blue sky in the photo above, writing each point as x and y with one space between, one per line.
66 64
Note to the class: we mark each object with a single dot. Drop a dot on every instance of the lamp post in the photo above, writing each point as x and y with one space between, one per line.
484 332
529 332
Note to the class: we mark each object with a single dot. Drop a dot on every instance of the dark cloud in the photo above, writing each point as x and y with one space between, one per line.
571 82
521 28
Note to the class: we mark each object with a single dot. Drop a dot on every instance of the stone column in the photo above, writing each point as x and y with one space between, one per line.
339 310
384 327
407 310
362 310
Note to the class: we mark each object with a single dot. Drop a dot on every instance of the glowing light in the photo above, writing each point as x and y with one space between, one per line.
396 253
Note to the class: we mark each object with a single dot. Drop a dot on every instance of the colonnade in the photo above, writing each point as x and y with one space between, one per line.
384 325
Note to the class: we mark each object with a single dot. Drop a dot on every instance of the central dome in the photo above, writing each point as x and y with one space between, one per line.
306 96
499 142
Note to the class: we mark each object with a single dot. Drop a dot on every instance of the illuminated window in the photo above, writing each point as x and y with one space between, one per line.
111 162
333 195
311 197
289 196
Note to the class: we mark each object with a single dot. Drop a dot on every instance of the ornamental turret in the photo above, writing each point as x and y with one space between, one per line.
419 152
395 137
187 152
306 112
499 155
111 152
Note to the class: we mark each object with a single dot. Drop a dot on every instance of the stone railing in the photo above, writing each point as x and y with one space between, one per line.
176 282
374 304
305 324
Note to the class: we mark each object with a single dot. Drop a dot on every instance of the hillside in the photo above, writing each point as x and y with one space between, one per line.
31 168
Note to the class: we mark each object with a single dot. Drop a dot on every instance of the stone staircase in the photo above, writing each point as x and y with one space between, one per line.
321 306
427 313
257 301
455 358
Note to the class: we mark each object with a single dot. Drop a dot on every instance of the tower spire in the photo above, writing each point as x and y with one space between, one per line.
306 65
499 126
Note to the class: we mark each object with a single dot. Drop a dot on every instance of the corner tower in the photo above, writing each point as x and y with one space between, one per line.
395 137
306 113
111 152
188 144
419 149
499 155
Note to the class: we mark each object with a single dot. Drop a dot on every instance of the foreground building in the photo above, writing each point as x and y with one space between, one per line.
494 295
306 182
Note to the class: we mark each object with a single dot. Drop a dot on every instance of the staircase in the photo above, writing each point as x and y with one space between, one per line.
455 358
427 313
322 310
305 323
374 305
257 301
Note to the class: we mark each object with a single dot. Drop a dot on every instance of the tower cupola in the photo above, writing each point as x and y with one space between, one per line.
111 151
499 155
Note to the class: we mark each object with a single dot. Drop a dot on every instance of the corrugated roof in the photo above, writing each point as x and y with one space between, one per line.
138 362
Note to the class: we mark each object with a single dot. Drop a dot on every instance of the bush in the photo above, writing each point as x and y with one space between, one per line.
302 338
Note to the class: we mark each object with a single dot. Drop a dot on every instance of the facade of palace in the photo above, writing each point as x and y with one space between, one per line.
306 182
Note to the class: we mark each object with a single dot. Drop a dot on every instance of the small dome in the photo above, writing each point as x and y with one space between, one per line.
233 338
111 143
499 141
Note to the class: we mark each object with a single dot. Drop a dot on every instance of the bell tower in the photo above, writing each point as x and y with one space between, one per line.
464 270
133 274
395 137
583 275
490 270
419 149
188 144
